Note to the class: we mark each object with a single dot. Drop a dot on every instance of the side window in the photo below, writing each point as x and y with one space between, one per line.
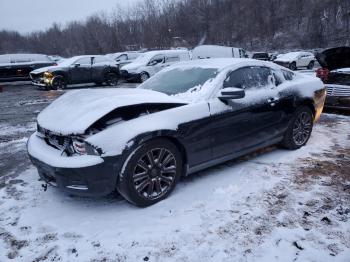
157 59
123 57
237 78
100 59
249 77
172 58
84 61
288 75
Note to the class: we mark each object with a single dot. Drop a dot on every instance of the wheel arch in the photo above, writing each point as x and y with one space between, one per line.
61 73
170 135
308 103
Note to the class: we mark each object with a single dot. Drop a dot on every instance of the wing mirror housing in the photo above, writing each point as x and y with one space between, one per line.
76 65
231 93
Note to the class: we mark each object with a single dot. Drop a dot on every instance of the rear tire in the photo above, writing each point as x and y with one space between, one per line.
144 77
112 79
311 65
299 129
150 173
59 83
293 66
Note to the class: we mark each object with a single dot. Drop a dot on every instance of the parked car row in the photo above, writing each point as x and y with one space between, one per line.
136 66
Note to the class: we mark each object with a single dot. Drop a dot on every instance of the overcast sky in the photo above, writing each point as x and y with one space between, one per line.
31 15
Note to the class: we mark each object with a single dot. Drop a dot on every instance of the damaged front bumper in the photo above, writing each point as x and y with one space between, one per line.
79 175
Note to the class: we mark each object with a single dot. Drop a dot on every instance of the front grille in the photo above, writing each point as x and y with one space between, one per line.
338 90
35 77
57 141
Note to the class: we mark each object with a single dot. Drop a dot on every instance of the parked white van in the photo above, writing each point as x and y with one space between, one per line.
216 51
149 63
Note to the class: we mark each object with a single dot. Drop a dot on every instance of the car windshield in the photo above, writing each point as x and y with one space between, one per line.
68 61
144 58
179 80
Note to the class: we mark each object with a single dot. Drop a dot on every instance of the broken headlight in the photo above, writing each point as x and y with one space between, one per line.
48 75
83 148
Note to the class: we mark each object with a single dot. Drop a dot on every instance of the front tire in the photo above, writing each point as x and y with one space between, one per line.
299 129
293 66
144 77
59 83
151 173
311 65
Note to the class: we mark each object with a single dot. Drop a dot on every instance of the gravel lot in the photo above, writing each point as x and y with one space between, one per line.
273 205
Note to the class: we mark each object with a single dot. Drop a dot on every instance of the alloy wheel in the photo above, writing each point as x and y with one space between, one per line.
154 173
112 80
302 128
59 84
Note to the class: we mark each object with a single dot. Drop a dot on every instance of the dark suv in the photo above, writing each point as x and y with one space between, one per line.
16 67
261 56
77 70
335 73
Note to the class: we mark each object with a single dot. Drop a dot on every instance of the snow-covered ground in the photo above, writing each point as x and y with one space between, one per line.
274 205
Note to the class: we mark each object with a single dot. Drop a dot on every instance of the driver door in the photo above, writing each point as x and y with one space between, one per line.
245 124
80 71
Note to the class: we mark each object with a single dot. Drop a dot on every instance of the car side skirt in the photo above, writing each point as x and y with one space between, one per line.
232 156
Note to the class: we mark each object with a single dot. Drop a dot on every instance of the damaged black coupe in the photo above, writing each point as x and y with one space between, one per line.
77 70
186 118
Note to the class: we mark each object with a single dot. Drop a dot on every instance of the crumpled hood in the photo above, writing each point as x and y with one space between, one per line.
334 58
44 69
76 111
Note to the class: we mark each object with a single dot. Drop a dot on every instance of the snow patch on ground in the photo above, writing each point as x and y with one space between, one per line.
268 206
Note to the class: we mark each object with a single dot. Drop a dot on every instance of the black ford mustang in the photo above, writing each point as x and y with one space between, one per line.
188 117
77 70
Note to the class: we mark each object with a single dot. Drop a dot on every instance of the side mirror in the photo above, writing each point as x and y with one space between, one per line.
76 65
230 93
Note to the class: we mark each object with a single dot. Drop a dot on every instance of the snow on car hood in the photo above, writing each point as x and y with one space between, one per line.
43 69
132 66
76 111
334 58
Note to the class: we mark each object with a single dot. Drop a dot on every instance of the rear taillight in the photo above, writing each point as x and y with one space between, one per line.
322 73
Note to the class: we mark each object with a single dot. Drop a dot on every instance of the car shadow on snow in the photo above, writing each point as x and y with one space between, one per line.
185 183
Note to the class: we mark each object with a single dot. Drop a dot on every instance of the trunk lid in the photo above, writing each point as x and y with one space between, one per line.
334 58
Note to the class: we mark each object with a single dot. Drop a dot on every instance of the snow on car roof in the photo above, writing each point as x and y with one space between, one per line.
222 63
23 58
292 55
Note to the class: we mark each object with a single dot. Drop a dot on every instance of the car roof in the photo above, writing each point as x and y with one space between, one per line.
156 52
222 63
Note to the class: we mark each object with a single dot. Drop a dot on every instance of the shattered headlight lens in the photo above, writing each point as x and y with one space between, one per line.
91 150
48 75
83 148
